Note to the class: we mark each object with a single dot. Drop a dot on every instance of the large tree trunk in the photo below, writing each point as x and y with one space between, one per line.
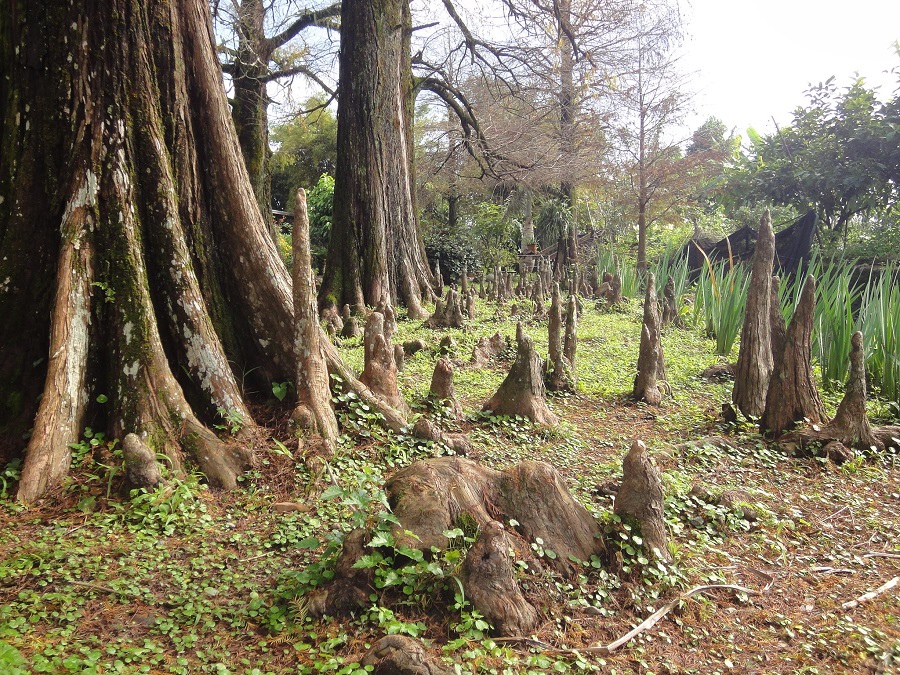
375 247
130 235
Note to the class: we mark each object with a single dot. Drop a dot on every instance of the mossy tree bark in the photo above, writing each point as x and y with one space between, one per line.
375 249
144 276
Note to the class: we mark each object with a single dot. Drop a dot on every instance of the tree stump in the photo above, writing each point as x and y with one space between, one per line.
349 591
402 655
399 358
141 468
313 416
427 430
449 313
594 280
755 362
792 395
470 304
438 279
669 306
522 392
442 389
570 340
411 347
351 327
641 497
850 427
437 317
490 583
432 496
615 290
333 322
447 346
464 281
453 310
380 372
650 364
559 377
487 349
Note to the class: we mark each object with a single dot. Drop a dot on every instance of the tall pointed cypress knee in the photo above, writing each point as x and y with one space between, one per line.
651 364
755 363
313 414
792 395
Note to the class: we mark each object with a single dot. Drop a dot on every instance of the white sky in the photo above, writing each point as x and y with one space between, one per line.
754 60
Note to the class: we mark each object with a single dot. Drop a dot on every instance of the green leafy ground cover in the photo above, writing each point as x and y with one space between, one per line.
185 580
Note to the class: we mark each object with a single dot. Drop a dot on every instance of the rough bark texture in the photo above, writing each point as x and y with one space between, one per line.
792 395
851 419
490 583
141 469
375 247
351 586
380 373
162 267
669 308
351 327
488 349
641 497
650 357
570 340
402 655
313 415
777 327
432 496
250 101
522 392
755 362
559 377
442 389
850 427
449 313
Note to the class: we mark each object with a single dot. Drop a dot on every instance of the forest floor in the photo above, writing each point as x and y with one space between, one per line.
186 580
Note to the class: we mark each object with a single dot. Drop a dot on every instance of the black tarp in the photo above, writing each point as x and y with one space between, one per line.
792 245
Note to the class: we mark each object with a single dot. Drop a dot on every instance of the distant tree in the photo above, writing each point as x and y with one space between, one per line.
260 47
835 157
376 250
651 96
709 136
307 148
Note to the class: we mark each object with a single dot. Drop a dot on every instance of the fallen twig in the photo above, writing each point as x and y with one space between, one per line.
654 618
865 597
831 570
645 625
878 554
98 587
